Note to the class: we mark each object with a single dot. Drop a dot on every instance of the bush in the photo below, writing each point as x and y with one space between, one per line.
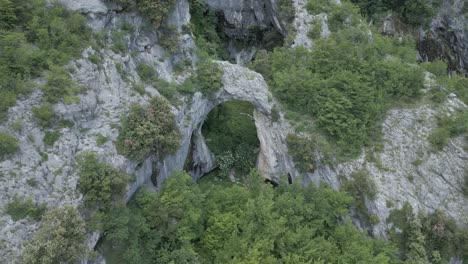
44 115
203 23
21 208
449 127
302 150
147 73
361 187
59 239
8 145
59 85
149 130
346 83
170 39
438 68
101 139
209 77
100 184
50 137
37 36
156 10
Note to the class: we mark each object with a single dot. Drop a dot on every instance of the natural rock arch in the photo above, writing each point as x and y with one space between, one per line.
239 84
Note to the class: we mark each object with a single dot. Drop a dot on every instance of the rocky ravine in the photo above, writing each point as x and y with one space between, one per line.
435 181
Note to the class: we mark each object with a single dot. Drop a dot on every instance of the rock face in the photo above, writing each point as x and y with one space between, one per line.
248 25
407 171
447 37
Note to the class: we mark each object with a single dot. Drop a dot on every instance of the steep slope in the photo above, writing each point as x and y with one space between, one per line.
405 170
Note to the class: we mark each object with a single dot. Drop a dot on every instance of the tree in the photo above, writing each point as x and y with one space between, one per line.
100 183
7 14
149 130
60 238
156 10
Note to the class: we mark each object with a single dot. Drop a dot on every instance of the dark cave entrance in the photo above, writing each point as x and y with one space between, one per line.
231 135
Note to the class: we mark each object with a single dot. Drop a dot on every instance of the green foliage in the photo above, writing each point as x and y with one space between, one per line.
302 150
101 139
170 39
59 85
240 224
50 137
319 6
209 77
147 73
21 208
100 184
119 43
231 134
346 83
44 115
448 127
203 25
7 14
438 68
60 238
426 237
156 10
361 187
316 30
32 39
453 84
286 10
148 130
8 145
412 12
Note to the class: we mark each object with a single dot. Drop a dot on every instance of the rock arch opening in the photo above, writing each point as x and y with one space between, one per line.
230 135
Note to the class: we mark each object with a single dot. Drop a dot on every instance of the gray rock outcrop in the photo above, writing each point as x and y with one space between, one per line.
406 169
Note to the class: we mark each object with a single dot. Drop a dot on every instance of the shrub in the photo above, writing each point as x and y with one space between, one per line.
438 68
59 84
100 184
146 72
155 10
119 42
316 30
209 77
101 139
346 83
449 127
139 88
170 39
361 187
203 23
148 130
38 37
50 137
302 150
8 145
59 239
21 208
44 115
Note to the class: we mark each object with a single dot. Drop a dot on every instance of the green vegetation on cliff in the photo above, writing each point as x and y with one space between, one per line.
35 37
346 83
231 134
149 129
60 238
8 145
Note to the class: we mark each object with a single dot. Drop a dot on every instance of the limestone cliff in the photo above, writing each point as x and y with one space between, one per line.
433 183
